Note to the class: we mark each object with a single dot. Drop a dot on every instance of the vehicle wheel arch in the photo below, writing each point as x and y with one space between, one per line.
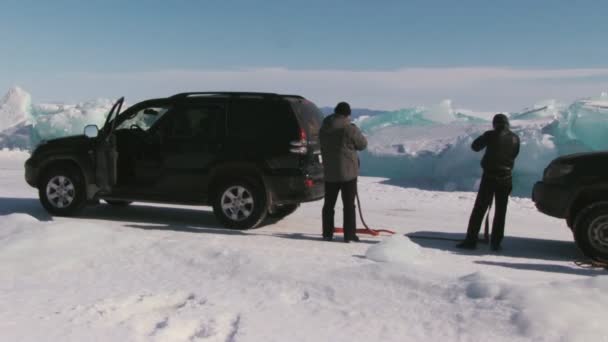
61 162
224 172
585 199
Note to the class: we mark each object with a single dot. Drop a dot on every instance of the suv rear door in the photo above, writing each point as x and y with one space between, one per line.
192 141
259 128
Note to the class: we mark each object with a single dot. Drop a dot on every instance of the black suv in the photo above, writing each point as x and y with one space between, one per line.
249 155
575 187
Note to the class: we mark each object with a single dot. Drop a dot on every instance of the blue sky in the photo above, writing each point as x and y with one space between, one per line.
56 49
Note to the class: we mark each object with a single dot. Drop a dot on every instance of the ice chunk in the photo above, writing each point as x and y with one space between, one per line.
15 107
587 122
423 147
58 120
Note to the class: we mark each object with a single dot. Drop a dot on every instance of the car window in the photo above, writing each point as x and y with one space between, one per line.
255 118
309 115
144 118
196 122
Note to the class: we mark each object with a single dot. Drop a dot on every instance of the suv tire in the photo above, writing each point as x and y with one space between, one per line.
240 204
591 231
282 211
62 191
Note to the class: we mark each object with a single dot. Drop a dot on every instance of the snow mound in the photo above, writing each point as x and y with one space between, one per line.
564 311
479 285
396 249
14 224
50 246
558 311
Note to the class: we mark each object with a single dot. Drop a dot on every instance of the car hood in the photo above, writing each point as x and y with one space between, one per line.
582 157
67 141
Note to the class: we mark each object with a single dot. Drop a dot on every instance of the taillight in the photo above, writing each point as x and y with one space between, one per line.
300 146
309 183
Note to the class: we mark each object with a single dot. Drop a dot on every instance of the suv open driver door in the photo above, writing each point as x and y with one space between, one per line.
106 155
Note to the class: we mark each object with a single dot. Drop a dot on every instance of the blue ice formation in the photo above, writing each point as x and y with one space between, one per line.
423 147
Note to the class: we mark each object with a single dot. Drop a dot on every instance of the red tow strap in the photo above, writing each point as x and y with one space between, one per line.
367 229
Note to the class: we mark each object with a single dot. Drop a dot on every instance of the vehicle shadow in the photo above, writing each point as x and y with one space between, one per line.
155 217
576 270
151 217
29 206
512 246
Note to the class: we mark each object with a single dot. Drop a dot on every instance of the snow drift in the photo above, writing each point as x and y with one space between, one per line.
424 147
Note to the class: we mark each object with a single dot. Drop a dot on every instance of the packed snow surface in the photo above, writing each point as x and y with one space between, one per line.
169 273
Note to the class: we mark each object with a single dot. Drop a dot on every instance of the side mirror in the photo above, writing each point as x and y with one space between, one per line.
91 131
150 111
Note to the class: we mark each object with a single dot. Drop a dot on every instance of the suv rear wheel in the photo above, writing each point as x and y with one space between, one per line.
62 191
591 231
240 204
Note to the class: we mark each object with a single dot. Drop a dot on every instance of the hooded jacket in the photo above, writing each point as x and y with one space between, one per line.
340 141
502 147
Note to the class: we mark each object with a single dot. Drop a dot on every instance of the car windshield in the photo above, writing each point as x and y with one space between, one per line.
144 118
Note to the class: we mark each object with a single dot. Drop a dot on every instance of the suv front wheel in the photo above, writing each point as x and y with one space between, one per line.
240 204
591 231
62 191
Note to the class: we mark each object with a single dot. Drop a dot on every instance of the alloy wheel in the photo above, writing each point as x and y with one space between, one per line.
60 192
237 203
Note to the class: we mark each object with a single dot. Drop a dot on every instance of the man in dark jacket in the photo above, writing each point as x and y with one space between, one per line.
340 141
502 147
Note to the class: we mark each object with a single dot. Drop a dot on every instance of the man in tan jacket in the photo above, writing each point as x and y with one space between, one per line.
340 141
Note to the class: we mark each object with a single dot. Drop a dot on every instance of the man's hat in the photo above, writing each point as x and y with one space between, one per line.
500 120
342 108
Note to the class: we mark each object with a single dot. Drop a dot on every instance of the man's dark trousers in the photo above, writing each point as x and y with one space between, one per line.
349 191
499 188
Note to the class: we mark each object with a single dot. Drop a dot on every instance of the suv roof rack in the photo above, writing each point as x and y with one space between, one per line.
224 93
291 95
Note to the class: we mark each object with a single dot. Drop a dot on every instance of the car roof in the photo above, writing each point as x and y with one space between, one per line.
228 94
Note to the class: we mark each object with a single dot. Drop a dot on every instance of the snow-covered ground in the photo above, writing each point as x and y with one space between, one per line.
168 273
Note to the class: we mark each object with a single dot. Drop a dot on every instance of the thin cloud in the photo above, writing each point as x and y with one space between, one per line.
474 87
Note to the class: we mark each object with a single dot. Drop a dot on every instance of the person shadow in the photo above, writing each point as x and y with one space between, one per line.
513 246
556 251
